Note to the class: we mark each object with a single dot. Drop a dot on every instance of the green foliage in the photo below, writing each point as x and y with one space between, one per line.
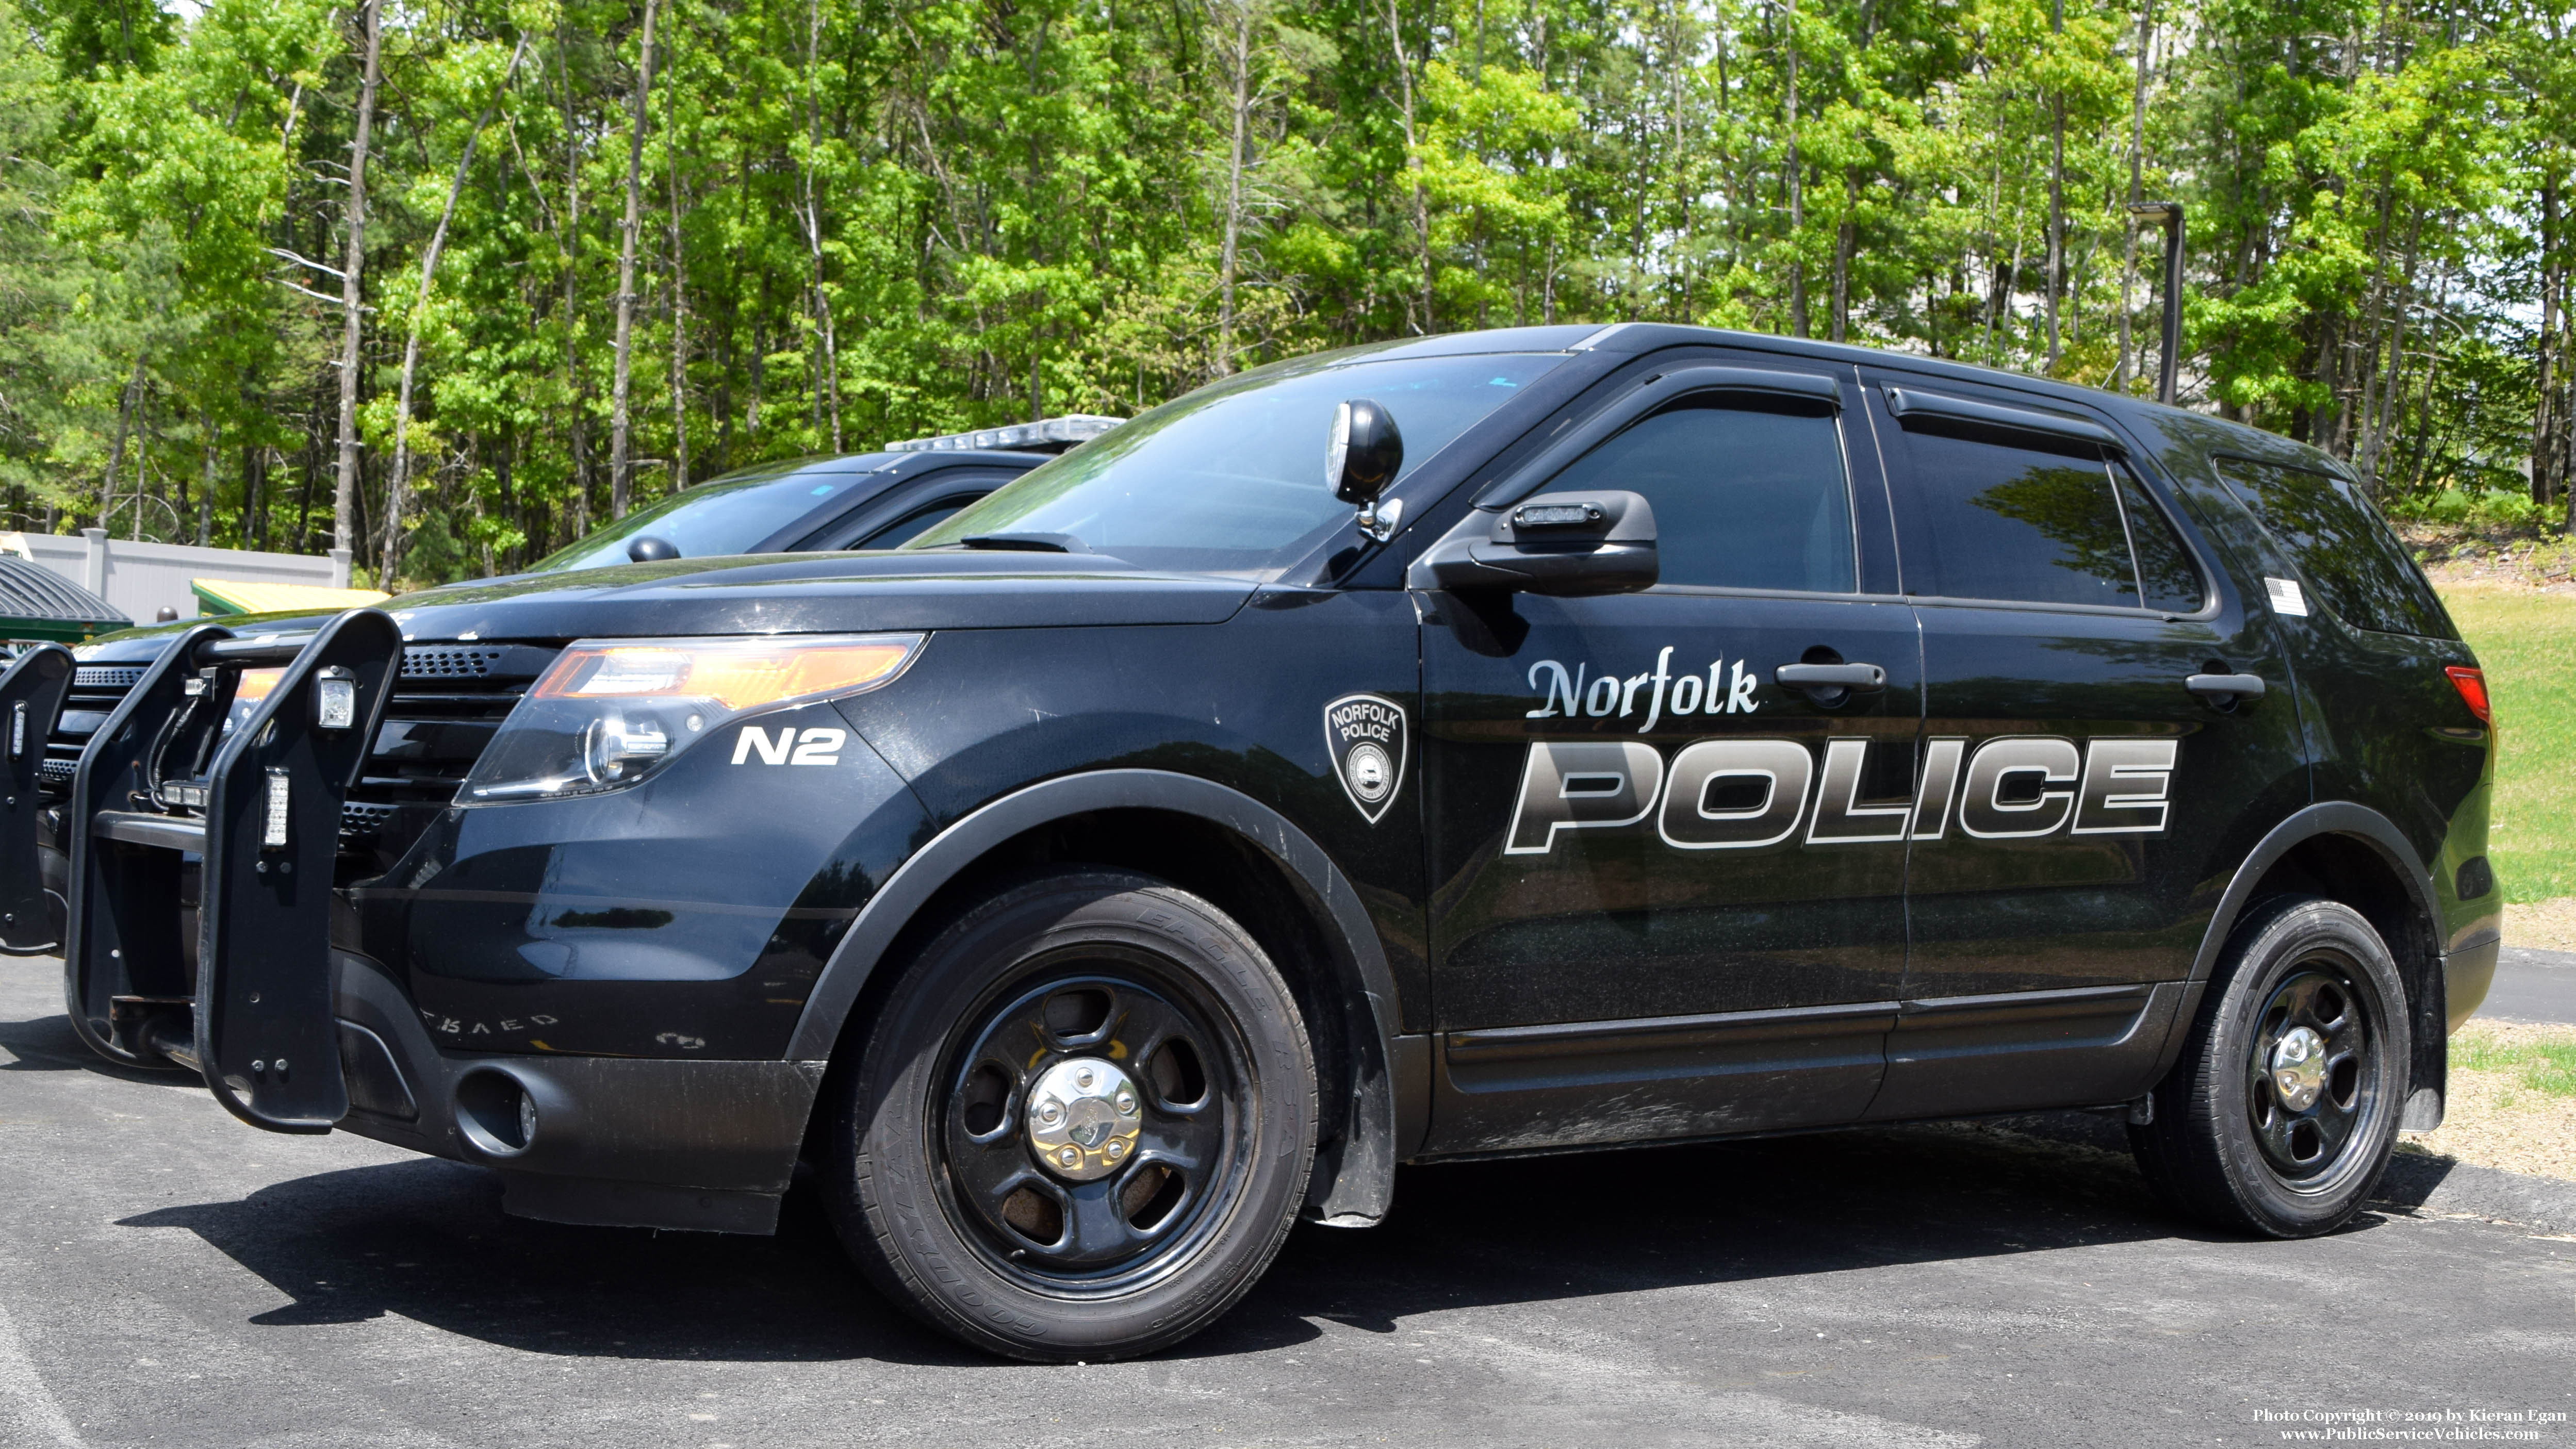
2482 510
870 219
2526 643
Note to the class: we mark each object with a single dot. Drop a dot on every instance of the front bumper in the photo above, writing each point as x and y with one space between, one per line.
692 1144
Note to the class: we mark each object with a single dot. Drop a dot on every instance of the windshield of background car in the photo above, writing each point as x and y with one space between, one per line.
1231 478
711 519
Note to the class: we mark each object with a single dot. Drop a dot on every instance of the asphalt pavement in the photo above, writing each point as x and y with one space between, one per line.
169 1277
2533 986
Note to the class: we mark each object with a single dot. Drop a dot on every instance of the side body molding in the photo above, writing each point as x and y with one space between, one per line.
2430 1022
1354 1186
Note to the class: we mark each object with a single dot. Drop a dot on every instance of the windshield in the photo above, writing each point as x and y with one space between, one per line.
722 517
1231 478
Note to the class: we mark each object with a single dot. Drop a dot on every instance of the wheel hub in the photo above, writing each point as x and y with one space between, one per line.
2299 1068
1083 1119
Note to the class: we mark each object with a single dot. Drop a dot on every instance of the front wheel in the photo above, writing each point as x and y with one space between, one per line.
1082 1123
2281 1114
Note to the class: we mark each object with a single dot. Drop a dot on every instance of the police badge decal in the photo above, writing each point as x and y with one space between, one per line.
1365 733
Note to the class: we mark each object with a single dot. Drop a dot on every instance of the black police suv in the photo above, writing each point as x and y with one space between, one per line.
855 501
1470 746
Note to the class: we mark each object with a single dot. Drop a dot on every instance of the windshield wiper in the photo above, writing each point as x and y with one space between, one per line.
1024 542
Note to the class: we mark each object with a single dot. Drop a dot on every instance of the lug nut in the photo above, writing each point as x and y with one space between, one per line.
1126 1104
1082 1078
1068 1156
1117 1149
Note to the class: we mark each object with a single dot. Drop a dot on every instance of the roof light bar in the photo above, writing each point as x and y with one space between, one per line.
1044 434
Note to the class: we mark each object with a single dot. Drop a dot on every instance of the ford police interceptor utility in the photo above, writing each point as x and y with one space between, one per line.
1486 744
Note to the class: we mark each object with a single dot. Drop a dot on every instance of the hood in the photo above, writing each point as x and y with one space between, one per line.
797 593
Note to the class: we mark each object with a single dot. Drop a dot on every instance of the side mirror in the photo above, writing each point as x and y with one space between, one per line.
1563 544
1365 455
648 549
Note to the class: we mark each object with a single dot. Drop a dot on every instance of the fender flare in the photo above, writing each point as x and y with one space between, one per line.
1361 1176
2327 817
2430 1059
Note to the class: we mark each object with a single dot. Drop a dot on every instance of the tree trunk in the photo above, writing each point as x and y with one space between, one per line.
1797 192
813 217
1413 167
576 388
397 496
621 460
1239 62
1846 237
344 495
206 487
2545 422
679 297
2137 193
116 450
2056 196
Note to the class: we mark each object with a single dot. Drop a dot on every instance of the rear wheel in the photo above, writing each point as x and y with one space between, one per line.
1082 1123
2280 1116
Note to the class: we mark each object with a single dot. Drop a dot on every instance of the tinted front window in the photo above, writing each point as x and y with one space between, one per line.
1231 478
2337 539
1747 494
715 518
1988 520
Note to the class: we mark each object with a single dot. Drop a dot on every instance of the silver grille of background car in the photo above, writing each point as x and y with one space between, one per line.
447 703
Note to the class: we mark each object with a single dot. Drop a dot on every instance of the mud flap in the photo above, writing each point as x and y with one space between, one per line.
31 694
265 1036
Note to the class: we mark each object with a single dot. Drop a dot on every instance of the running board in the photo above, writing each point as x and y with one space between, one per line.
165 787
31 695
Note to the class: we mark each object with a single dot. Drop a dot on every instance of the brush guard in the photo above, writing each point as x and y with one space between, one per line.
31 696
165 790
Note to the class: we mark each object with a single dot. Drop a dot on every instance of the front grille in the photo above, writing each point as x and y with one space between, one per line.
448 702
455 661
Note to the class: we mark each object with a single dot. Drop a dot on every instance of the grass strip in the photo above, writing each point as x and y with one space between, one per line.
2526 642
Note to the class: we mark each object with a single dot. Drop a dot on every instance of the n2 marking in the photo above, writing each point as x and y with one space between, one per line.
816 746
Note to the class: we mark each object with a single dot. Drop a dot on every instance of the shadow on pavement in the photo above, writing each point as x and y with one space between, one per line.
426 1239
48 1044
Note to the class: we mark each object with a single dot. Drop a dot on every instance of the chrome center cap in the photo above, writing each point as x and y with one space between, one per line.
2299 1068
1083 1118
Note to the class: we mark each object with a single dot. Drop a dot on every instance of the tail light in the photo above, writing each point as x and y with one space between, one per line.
2472 685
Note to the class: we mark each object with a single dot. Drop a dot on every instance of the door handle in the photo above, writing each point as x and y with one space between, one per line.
2225 688
1859 678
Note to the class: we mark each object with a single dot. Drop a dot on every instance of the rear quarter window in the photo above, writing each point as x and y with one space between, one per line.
2346 552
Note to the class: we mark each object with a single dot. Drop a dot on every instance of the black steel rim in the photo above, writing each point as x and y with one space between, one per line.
1193 1148
2305 1142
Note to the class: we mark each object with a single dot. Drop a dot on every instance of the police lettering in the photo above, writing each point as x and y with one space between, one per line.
1748 794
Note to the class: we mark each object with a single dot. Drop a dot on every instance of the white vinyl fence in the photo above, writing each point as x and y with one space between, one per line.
144 578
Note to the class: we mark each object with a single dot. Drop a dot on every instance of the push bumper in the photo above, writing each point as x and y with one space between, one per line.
256 992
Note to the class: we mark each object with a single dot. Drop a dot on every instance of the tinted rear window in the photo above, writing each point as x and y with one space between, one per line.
2172 581
1987 520
2346 553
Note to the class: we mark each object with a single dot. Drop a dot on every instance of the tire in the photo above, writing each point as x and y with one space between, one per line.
1171 1091
2259 1128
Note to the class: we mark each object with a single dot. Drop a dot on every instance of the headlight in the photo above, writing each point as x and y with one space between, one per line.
611 712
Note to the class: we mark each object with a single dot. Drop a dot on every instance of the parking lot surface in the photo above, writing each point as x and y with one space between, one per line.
169 1277
2537 987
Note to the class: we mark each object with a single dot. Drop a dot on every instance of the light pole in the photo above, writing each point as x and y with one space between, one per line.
2169 366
